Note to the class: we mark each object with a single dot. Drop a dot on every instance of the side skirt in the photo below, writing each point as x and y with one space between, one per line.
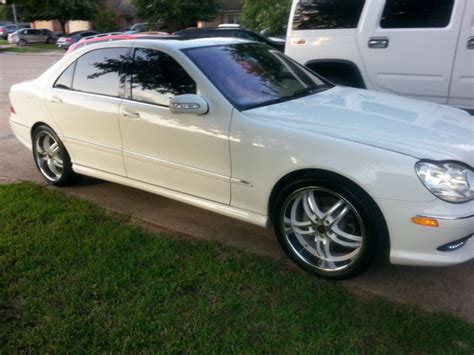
236 213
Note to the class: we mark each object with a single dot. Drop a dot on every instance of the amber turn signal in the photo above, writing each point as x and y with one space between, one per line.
425 221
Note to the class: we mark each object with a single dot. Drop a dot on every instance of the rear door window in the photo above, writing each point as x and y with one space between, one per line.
156 78
101 72
417 14
327 14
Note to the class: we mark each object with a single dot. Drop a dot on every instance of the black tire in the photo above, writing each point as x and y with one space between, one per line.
22 42
49 40
373 230
67 176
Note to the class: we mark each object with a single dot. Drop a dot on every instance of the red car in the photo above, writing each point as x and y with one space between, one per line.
114 36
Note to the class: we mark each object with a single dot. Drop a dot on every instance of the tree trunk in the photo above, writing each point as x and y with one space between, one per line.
63 22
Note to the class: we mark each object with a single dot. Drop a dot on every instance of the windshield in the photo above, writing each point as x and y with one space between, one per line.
250 75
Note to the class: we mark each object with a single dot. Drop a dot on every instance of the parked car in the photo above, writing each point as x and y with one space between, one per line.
67 40
226 31
422 49
7 29
105 37
30 35
235 127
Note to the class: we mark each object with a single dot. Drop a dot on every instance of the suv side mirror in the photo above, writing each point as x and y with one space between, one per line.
189 103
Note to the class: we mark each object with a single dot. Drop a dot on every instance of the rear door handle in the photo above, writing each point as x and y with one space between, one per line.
379 43
56 100
126 113
470 43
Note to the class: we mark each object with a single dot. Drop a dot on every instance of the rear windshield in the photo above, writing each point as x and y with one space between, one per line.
251 74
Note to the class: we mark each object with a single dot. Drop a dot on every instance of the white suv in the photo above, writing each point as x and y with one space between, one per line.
423 49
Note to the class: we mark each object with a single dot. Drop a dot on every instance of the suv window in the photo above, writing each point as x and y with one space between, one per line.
327 14
417 14
101 71
156 78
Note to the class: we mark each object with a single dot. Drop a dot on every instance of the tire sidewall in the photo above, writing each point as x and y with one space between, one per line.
359 200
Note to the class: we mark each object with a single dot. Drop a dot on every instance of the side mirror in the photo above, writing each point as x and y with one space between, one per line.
189 103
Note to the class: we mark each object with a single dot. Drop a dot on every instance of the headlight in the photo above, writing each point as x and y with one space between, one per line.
449 181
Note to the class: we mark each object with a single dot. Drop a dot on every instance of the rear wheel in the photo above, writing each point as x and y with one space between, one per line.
328 226
49 40
51 157
22 42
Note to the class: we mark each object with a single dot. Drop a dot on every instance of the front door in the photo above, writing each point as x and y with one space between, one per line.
408 46
84 102
187 153
462 84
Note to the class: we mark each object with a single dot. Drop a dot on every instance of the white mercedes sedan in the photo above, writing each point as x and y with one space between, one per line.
343 175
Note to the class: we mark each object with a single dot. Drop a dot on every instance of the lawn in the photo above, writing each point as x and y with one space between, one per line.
33 48
75 278
3 41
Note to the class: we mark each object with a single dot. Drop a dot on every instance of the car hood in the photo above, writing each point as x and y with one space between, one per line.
420 129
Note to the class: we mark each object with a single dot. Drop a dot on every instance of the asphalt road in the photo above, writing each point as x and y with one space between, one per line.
448 289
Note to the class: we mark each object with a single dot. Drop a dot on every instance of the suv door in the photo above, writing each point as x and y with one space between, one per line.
84 102
462 82
34 36
408 46
186 153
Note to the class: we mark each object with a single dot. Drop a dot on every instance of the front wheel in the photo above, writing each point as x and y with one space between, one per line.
328 226
52 158
22 42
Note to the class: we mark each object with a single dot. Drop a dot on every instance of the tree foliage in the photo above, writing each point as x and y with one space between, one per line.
270 16
61 10
106 21
176 14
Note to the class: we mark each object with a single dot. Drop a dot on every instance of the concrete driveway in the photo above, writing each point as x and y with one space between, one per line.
449 290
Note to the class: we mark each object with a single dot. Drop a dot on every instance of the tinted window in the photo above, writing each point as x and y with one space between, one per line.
156 78
416 14
100 71
327 14
252 74
65 79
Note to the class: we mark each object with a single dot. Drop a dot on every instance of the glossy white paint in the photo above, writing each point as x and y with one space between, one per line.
462 83
432 64
229 161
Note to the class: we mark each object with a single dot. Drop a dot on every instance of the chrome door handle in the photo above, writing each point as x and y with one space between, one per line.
470 43
56 100
379 43
126 113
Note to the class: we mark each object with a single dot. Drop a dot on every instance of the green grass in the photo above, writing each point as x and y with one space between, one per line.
74 278
3 41
33 48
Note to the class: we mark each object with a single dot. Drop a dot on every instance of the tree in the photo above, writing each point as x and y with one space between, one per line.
105 21
176 14
61 10
270 16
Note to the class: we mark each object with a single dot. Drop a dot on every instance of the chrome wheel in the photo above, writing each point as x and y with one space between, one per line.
48 156
323 228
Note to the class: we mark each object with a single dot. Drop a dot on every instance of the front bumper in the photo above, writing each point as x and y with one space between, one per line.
412 244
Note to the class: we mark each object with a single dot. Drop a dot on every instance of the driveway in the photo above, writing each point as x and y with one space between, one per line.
434 289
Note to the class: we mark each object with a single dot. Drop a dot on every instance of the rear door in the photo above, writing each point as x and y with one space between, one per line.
408 46
462 82
84 102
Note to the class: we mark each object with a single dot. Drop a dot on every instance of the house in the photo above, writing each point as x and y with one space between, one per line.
230 13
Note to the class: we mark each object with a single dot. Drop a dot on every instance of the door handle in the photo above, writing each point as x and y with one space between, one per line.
56 100
379 43
470 43
126 113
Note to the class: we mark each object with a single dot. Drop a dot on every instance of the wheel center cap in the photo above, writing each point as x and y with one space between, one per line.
321 229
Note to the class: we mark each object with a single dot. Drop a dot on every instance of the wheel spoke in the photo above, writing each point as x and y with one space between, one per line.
345 235
54 149
334 238
53 168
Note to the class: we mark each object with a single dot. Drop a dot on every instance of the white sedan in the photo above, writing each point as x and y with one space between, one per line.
235 127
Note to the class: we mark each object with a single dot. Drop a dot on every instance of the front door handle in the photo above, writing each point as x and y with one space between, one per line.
56 100
126 113
379 43
470 43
